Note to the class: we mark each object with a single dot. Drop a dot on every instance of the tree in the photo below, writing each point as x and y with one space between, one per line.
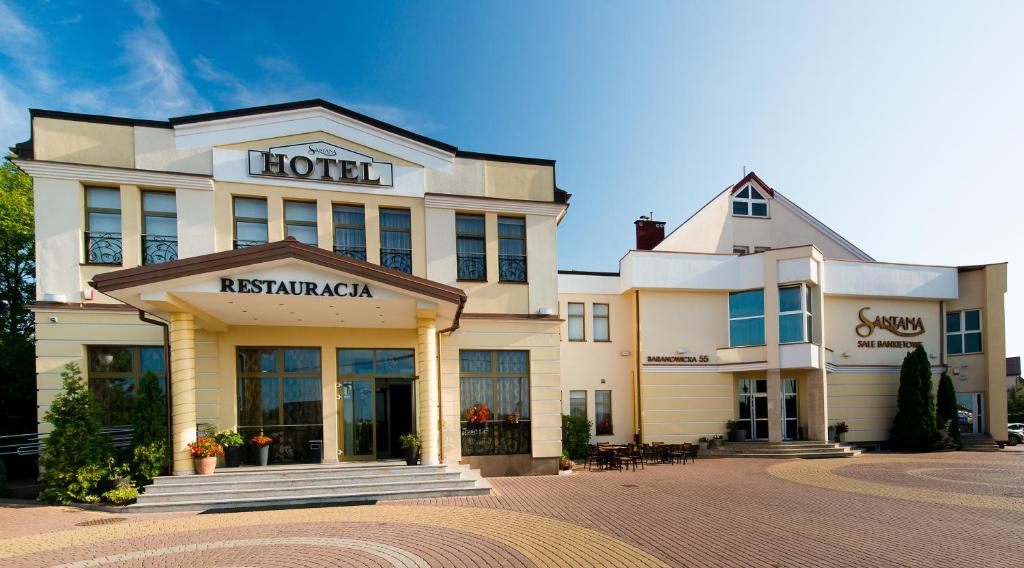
577 435
947 409
1015 403
149 430
926 398
907 408
17 289
74 453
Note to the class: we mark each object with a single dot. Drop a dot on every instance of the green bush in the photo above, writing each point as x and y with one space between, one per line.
121 496
73 456
577 435
947 410
149 431
913 427
229 438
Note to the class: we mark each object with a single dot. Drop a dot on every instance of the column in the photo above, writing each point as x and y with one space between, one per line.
817 411
427 388
774 406
183 390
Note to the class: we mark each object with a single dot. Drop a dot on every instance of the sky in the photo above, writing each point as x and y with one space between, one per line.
898 124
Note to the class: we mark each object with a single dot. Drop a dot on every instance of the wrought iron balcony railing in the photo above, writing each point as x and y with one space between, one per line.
512 268
358 253
472 266
396 259
103 248
496 437
241 243
159 248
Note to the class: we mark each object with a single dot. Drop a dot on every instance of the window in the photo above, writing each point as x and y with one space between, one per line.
300 221
740 249
494 391
795 314
749 203
603 412
350 231
159 227
511 249
746 318
963 332
578 403
102 225
576 331
396 240
114 373
469 245
600 314
762 249
279 394
250 221
362 373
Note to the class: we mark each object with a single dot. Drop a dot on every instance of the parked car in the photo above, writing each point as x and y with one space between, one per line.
1016 433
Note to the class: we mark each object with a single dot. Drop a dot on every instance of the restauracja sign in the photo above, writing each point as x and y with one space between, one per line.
903 326
320 161
293 288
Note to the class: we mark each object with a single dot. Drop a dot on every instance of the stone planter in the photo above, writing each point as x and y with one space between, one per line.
232 456
205 466
842 438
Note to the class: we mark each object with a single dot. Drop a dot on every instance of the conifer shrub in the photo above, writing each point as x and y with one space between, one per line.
947 410
914 427
73 456
577 435
149 456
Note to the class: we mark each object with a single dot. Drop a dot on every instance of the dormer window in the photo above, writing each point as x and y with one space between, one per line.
749 203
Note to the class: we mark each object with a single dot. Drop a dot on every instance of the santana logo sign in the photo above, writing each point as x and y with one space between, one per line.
320 161
293 288
897 325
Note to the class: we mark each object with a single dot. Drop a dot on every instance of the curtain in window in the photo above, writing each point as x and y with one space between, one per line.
395 229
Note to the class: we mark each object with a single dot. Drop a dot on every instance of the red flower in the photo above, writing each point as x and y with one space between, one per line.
205 447
261 440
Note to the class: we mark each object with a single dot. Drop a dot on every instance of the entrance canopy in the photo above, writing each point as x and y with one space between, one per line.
285 283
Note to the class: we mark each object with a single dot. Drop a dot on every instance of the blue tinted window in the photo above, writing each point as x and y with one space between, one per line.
355 361
972 320
791 328
746 304
954 344
789 299
746 332
972 342
953 321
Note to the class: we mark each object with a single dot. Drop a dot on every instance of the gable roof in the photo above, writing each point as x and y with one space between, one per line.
752 177
278 250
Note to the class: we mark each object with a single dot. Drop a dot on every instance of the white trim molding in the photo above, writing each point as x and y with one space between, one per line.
113 175
736 368
522 207
872 369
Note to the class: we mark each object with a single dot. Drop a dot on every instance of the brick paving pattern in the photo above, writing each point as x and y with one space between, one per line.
879 510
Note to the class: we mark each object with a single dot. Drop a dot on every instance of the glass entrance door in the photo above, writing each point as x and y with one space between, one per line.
790 419
753 400
376 390
969 411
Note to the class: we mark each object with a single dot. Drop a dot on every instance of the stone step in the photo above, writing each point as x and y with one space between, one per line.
304 501
279 472
249 491
806 449
297 481
805 455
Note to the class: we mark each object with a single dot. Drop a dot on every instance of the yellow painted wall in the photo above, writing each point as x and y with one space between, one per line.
587 363
83 142
673 320
502 180
683 407
540 338
841 321
867 403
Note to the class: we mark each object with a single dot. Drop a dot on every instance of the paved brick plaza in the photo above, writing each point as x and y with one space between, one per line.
950 509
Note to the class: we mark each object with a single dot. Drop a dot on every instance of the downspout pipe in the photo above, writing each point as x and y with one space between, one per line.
437 340
167 382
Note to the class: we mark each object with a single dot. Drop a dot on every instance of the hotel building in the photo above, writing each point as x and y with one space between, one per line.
335 281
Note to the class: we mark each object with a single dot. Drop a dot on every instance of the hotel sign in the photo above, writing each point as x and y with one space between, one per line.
902 326
320 161
294 288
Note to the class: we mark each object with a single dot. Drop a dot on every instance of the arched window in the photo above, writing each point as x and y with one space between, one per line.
749 203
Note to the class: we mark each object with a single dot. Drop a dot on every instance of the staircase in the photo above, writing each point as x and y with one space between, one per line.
979 443
284 486
794 449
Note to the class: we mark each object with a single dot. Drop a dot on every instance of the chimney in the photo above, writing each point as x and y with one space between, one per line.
648 233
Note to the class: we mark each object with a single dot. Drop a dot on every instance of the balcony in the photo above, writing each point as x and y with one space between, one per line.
241 244
103 248
496 437
358 253
512 268
472 266
396 259
159 248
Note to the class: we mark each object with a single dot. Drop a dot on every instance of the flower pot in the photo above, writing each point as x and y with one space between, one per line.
205 466
412 455
741 435
232 456
842 438
702 445
262 454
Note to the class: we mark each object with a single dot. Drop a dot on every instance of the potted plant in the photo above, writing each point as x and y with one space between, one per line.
716 441
477 416
232 443
737 430
262 444
564 464
703 443
411 446
841 430
204 454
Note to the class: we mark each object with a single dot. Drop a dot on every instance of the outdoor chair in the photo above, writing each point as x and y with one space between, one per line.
631 457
